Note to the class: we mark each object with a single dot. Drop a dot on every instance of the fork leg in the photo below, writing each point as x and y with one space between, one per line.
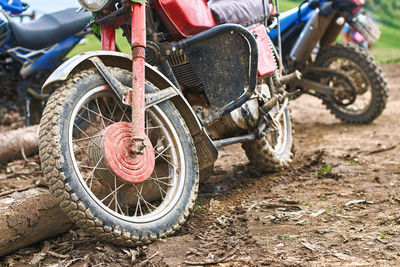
138 71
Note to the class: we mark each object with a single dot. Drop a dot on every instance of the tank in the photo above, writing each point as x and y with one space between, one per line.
184 18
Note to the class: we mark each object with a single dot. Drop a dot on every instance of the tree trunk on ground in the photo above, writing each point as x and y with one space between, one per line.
14 143
29 217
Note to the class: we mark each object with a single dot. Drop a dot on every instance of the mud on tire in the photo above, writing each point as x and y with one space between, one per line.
273 152
61 165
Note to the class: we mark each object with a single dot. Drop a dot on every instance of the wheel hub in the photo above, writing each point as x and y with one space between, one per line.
117 159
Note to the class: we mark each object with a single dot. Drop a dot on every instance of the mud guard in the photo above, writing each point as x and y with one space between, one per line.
206 150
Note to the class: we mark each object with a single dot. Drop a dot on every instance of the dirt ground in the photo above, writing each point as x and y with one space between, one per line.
338 204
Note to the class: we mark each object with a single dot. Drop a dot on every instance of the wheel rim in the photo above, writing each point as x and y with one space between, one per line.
277 138
360 80
142 202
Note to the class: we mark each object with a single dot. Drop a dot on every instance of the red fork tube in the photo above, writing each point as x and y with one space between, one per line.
138 68
107 38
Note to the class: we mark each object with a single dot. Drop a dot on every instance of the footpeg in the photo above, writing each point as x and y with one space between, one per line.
296 75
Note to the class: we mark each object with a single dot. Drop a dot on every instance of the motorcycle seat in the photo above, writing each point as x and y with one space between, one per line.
49 29
243 12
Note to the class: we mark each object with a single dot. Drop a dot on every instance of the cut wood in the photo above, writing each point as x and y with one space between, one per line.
18 143
29 217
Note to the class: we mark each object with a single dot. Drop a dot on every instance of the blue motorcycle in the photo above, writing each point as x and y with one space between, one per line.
344 76
30 51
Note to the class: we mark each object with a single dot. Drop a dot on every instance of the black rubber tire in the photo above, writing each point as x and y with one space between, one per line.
264 157
374 74
68 189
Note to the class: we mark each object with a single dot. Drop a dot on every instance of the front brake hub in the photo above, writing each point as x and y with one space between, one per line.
112 149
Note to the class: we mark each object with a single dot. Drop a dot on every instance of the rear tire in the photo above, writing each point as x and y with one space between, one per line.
127 214
273 152
367 76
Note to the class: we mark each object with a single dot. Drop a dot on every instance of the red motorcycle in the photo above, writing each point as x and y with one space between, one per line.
125 139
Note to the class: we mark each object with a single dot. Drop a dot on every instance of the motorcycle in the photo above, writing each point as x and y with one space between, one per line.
346 78
125 139
30 51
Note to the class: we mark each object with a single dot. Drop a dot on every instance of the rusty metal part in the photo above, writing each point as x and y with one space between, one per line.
138 105
238 121
111 149
160 96
120 90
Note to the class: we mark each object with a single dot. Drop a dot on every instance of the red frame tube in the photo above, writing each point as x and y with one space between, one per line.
138 69
107 37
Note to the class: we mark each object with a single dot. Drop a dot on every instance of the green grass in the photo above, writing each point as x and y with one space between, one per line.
285 5
386 50
94 44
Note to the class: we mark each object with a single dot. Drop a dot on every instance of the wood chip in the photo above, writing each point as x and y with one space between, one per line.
357 201
9 192
228 257
317 213
38 257
56 255
309 245
342 256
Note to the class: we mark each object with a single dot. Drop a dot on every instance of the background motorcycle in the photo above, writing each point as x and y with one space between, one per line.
30 51
344 76
125 165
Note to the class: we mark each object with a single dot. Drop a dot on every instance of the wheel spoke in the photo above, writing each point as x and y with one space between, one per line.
112 192
101 115
92 172
162 182
98 114
162 152
79 116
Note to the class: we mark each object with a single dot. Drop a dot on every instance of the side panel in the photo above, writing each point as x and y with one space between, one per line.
206 150
266 61
221 62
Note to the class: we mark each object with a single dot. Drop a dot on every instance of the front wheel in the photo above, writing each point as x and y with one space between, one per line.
369 99
73 131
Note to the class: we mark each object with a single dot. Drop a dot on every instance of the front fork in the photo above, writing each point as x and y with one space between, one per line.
137 97
138 71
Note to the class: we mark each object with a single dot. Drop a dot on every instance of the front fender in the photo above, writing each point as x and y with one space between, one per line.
206 150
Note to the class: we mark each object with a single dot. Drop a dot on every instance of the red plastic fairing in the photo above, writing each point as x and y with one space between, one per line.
185 18
266 61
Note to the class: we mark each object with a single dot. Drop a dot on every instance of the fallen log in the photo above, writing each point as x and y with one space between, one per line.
29 217
18 143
